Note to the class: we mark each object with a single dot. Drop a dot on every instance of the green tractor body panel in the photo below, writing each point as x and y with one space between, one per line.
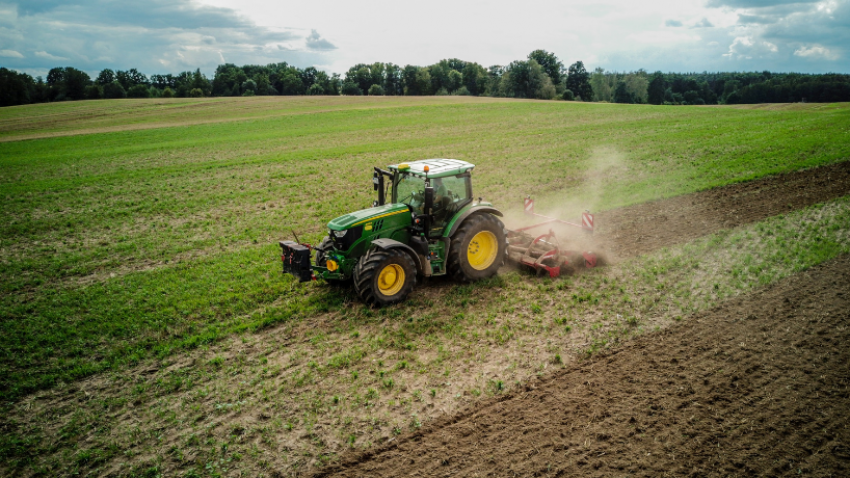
391 221
483 207
365 216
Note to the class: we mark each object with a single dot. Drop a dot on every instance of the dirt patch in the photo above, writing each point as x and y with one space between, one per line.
757 386
635 230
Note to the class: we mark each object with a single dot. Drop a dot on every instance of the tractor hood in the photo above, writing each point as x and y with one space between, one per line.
358 218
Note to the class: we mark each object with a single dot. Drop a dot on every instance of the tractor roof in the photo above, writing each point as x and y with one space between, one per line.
437 168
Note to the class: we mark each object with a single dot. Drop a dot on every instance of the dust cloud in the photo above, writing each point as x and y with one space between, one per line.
605 165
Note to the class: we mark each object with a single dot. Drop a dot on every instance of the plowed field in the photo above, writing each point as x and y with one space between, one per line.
635 230
757 386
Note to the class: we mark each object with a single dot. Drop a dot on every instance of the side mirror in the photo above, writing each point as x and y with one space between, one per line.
429 199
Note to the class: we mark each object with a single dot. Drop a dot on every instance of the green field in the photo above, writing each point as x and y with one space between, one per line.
119 245
145 232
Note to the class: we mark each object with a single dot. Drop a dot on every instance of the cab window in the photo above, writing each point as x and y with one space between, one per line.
410 190
451 194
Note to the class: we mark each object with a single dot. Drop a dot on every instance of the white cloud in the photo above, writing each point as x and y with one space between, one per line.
671 35
749 48
48 56
816 51
10 54
173 34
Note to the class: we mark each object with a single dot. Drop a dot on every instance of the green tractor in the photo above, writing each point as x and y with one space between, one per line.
424 223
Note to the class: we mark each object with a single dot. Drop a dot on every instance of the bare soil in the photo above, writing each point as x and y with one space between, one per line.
756 387
635 230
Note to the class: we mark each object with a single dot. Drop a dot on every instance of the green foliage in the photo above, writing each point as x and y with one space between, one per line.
249 85
94 92
568 95
655 90
130 78
105 77
15 88
578 80
454 80
138 91
114 90
718 88
264 86
350 88
75 82
550 63
520 79
416 80
526 79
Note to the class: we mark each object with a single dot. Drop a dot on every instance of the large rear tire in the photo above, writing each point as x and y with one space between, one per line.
478 248
384 277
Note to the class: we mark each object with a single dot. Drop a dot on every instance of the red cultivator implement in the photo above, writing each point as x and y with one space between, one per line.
543 252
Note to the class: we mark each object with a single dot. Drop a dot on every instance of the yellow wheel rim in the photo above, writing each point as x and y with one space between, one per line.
391 279
482 250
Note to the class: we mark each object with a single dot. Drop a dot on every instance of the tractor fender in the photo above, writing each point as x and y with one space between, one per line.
387 244
473 210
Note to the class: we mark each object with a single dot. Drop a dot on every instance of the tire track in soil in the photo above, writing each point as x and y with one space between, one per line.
756 386
642 228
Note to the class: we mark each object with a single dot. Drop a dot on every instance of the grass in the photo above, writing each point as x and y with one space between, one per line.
297 395
161 235
139 240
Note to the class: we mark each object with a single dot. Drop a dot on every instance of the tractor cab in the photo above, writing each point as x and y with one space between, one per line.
449 181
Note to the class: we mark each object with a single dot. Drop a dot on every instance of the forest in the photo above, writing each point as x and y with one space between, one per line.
541 75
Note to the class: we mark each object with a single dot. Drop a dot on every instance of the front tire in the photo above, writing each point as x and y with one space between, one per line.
478 248
384 277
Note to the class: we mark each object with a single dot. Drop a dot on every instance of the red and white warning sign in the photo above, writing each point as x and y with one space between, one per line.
529 205
587 220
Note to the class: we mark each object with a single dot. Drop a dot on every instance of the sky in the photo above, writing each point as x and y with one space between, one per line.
170 36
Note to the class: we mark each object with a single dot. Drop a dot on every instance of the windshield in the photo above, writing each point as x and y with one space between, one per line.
410 190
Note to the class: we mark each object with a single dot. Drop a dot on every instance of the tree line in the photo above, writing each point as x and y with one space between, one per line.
541 75
72 84
718 88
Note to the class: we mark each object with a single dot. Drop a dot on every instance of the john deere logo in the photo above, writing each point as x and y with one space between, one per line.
368 227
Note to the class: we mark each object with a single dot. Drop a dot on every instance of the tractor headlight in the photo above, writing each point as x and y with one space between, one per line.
340 234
